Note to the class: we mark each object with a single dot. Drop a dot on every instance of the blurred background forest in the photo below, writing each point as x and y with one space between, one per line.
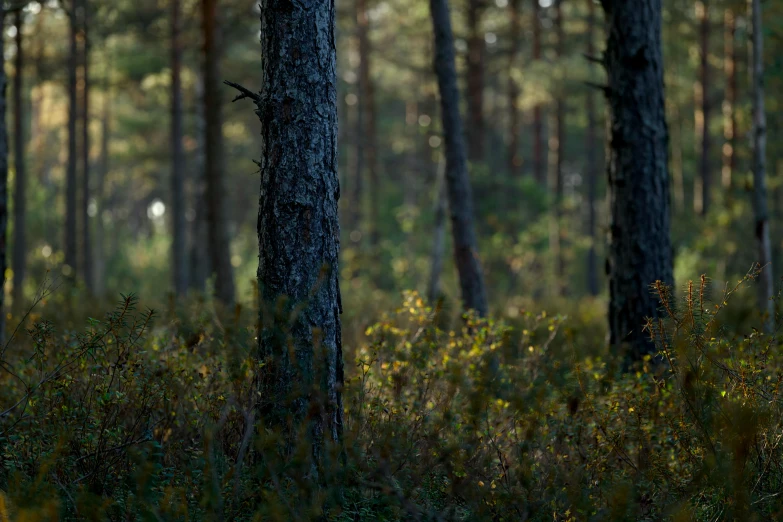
534 115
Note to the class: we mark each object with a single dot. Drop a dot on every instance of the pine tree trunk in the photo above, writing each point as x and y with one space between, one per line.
298 228
179 225
556 144
475 81
19 248
640 250
70 177
217 229
514 157
729 101
457 181
439 235
703 187
200 266
591 164
356 202
3 179
87 273
760 207
538 116
100 191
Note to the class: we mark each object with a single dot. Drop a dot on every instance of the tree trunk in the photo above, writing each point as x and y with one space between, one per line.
356 202
556 143
591 163
367 109
217 231
514 157
298 228
457 181
20 248
701 203
179 225
3 178
100 189
200 266
439 235
538 117
475 81
729 101
640 250
70 177
87 273
760 209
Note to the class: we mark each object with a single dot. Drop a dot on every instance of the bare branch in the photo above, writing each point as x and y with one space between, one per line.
243 92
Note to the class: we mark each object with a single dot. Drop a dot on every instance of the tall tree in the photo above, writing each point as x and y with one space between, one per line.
3 174
556 146
538 117
86 264
475 80
100 187
70 176
439 234
298 226
217 230
20 175
703 112
199 264
730 98
590 161
514 157
760 207
457 181
640 249
179 258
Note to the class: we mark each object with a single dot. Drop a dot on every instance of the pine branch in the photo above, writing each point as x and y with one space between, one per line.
244 93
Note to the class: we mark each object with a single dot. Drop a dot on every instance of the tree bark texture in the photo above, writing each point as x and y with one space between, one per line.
217 227
760 206
457 181
179 224
20 175
638 180
298 225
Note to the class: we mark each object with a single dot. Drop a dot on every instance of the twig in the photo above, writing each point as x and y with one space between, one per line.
243 92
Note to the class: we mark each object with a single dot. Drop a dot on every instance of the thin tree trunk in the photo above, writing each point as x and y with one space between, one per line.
298 229
556 145
460 196
760 208
514 157
219 243
439 235
678 174
356 204
87 272
640 250
20 248
729 101
591 163
179 224
538 117
100 191
70 179
200 266
475 81
702 192
3 178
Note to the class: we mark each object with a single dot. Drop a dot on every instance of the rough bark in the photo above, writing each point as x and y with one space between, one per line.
556 146
729 100
703 113
439 235
298 227
20 175
591 164
217 229
760 207
539 171
457 181
86 243
475 80
70 243
638 180
514 157
179 258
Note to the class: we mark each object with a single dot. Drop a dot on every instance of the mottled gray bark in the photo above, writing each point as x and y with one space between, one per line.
298 227
217 227
591 166
70 243
439 235
457 181
20 175
640 250
86 243
760 207
179 267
